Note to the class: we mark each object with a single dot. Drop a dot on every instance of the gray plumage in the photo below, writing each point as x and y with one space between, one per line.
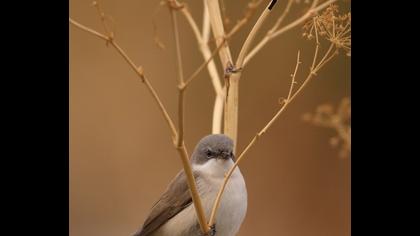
174 214
212 146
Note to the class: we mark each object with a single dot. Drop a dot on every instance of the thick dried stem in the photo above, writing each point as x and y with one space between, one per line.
216 23
218 114
206 22
202 66
232 98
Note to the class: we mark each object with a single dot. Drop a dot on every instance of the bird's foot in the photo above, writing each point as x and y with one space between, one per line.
212 231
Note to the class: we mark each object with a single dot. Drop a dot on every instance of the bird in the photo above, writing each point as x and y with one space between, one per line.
174 213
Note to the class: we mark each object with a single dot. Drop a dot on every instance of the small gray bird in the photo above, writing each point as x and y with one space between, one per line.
174 214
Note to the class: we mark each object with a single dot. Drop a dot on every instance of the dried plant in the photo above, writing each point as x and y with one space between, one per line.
339 120
331 26
328 24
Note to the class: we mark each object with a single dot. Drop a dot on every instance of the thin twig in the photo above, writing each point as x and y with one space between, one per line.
271 34
205 51
287 101
156 38
283 15
294 76
212 70
193 188
321 64
180 137
202 66
251 7
89 30
136 69
177 48
180 146
303 18
253 33
102 18
330 48
230 172
257 136
317 44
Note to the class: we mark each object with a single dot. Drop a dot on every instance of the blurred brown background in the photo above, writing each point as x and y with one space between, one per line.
121 156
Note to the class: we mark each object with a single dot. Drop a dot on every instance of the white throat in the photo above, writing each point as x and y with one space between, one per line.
216 168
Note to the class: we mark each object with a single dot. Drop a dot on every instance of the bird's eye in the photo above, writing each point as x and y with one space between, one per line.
209 153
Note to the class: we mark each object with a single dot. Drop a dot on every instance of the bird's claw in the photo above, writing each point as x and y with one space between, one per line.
212 231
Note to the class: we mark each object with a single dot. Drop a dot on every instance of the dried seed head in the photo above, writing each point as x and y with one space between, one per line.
331 26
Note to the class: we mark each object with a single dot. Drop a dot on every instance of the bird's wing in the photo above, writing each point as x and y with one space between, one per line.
173 200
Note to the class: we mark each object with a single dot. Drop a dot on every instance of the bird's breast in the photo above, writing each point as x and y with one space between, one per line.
233 204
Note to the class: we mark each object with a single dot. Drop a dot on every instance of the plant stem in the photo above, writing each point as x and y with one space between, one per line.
136 69
180 146
257 136
232 98
212 70
202 66
216 23
273 33
286 103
